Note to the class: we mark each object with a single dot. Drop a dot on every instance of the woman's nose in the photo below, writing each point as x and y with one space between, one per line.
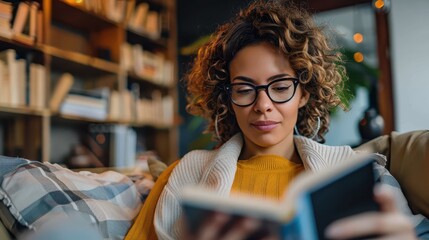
263 103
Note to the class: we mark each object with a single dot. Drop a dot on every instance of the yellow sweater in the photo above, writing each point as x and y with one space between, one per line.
266 176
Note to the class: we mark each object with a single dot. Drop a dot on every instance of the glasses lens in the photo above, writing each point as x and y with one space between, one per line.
243 94
281 91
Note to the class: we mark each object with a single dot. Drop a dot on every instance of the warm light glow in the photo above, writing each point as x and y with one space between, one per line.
358 57
358 37
379 4
74 2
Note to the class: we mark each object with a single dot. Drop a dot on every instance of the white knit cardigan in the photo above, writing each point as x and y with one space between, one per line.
216 169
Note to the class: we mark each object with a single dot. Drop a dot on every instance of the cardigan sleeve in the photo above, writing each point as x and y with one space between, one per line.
143 227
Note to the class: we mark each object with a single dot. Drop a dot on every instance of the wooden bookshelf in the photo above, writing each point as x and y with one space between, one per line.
10 110
86 43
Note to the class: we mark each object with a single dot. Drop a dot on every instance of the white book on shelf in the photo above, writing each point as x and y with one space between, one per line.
138 19
127 111
126 60
33 95
129 11
121 7
21 90
13 77
137 58
114 106
152 25
110 10
130 158
41 86
84 111
4 83
5 17
168 73
9 57
61 89
34 7
86 101
168 110
21 17
118 145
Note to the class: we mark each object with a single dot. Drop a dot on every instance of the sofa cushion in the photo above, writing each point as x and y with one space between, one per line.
408 161
36 192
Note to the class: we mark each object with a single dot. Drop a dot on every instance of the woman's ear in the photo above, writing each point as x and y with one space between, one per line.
304 98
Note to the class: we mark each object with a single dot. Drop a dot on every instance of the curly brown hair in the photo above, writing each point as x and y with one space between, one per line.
292 31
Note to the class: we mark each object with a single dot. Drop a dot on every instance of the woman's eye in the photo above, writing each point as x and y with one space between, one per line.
244 91
280 88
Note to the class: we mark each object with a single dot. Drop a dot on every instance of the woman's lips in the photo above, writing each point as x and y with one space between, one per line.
264 125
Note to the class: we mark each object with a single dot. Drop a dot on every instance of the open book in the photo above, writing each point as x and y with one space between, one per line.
310 204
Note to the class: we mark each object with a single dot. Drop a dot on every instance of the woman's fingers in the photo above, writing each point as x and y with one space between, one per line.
242 228
385 198
212 226
389 223
369 224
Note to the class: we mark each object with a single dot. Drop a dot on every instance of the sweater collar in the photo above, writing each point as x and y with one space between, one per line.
315 156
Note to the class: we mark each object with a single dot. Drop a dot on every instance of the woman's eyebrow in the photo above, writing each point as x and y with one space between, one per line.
272 78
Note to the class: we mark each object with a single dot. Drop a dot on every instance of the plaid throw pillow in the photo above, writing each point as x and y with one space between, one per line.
36 192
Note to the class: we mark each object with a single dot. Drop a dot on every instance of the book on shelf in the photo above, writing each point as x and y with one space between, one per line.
38 86
4 83
138 17
91 104
25 25
63 86
153 67
11 76
6 9
310 204
153 24
123 146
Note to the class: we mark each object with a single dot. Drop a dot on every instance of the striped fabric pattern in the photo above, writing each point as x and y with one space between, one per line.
35 192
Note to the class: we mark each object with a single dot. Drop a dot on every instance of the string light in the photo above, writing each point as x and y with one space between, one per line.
379 4
358 57
358 37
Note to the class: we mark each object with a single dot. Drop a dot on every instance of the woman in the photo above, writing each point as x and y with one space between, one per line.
266 72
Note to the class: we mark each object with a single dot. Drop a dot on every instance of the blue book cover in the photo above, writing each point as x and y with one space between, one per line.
310 204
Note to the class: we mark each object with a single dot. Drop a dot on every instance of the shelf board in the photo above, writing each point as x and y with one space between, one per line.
136 36
7 43
156 126
79 18
80 63
148 81
78 119
21 110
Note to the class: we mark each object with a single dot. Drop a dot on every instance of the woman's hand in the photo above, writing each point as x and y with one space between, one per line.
388 224
221 226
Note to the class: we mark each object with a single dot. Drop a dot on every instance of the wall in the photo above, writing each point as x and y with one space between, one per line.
410 63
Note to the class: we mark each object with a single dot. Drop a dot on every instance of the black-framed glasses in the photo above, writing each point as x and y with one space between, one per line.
279 91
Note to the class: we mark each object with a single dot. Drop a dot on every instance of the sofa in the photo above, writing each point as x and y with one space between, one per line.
408 161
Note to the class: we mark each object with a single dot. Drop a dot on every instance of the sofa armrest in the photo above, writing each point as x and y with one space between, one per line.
408 161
